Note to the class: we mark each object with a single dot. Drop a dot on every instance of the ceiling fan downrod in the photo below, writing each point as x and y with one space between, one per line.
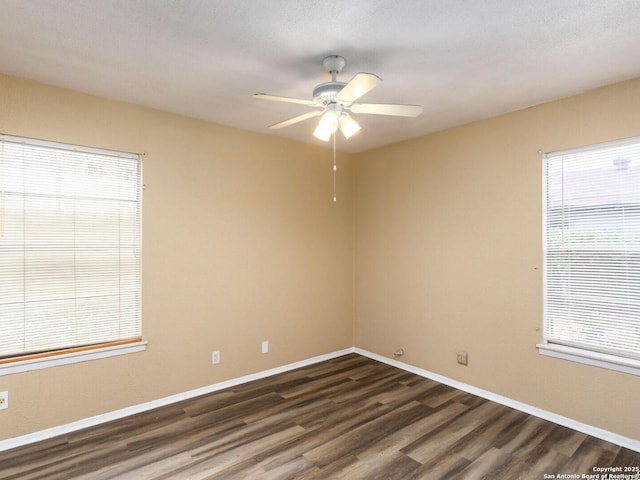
327 92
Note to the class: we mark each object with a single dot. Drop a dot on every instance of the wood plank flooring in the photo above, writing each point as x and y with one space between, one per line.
347 418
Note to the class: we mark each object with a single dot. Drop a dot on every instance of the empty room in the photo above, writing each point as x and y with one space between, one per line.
319 240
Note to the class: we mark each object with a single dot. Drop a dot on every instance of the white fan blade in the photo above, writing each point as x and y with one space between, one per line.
387 109
358 86
277 98
297 119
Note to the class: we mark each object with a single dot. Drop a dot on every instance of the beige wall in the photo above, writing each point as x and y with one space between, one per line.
241 244
448 249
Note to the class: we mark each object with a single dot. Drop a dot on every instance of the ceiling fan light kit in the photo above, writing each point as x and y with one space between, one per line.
333 118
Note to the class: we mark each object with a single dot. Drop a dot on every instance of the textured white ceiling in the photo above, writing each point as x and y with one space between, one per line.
461 59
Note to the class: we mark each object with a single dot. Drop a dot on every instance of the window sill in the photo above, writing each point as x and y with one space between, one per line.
21 366
602 360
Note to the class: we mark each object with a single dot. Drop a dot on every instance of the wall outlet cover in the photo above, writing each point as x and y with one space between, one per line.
215 357
265 346
463 357
4 400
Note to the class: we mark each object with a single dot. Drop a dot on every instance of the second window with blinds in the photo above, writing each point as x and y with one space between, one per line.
592 255
70 253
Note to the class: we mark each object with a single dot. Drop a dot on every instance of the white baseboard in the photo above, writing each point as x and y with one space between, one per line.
142 407
626 442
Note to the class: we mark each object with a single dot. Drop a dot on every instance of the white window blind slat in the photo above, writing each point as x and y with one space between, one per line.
592 248
70 246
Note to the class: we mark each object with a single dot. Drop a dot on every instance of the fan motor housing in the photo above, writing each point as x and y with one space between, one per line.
327 92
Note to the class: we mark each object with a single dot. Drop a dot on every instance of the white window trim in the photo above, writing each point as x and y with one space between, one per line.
20 366
587 357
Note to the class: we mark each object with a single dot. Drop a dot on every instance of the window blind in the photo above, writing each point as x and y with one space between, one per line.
592 248
70 246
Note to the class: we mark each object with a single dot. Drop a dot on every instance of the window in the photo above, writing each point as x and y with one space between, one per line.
592 255
70 245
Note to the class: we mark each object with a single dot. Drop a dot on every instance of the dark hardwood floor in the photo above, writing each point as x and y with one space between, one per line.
347 418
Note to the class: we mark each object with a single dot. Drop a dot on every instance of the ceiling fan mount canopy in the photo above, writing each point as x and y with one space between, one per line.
338 98
333 64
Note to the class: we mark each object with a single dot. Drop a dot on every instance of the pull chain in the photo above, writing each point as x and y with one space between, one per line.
335 198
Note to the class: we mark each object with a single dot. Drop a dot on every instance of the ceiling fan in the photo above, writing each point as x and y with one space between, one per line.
336 99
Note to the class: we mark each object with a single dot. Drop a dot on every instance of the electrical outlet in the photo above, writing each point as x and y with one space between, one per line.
463 357
4 400
215 357
265 346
